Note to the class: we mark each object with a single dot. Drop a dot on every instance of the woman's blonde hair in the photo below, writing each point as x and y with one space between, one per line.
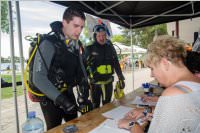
165 46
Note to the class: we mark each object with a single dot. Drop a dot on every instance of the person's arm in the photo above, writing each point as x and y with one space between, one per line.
40 72
89 63
82 77
132 125
85 105
138 113
87 58
146 98
41 81
83 84
116 64
135 114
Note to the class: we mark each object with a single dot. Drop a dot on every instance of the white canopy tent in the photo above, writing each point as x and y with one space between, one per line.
127 49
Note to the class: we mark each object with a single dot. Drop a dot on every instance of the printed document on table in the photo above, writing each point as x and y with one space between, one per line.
139 101
109 126
117 113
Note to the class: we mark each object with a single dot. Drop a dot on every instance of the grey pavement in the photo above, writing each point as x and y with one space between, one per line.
8 121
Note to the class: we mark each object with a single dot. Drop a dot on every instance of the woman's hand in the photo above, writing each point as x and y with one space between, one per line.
146 98
136 128
149 116
135 114
124 123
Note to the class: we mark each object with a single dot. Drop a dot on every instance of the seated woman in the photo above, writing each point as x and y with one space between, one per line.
192 63
178 108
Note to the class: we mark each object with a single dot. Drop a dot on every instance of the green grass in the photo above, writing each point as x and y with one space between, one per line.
8 91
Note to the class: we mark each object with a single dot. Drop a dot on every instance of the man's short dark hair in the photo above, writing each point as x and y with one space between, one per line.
71 12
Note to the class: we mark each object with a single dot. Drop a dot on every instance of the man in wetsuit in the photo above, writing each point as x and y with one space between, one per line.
57 69
102 61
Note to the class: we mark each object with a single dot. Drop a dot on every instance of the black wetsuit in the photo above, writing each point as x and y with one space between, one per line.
98 55
65 61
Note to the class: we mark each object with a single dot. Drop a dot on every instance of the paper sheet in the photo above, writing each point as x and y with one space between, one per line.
108 126
139 101
117 113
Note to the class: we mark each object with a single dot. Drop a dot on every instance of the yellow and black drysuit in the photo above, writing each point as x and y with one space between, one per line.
101 62
56 70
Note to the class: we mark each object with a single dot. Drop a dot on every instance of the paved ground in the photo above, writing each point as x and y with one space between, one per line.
8 121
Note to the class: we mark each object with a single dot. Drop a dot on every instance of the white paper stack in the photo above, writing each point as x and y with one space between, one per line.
117 113
110 124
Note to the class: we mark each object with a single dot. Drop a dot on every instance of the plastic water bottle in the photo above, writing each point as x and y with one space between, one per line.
146 88
33 124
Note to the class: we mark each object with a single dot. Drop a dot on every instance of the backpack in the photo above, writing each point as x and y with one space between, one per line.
35 95
33 92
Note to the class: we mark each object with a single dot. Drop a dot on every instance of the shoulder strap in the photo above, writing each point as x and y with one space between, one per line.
51 38
183 89
80 48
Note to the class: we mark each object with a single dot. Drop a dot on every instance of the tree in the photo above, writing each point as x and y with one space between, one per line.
118 38
85 37
8 59
143 36
4 17
5 60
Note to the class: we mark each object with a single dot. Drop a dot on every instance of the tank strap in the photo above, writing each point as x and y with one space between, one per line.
183 89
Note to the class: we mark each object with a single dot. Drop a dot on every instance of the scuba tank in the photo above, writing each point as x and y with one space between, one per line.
118 92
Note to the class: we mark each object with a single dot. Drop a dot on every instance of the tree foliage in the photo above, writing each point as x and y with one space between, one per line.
4 17
85 38
118 38
8 59
141 36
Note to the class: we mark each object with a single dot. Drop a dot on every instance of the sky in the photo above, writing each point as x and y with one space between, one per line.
35 18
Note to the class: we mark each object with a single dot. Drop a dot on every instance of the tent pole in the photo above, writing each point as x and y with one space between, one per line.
114 13
177 29
13 62
0 69
112 6
132 52
21 53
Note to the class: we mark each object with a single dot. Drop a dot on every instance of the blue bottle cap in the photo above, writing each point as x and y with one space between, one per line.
31 114
145 85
